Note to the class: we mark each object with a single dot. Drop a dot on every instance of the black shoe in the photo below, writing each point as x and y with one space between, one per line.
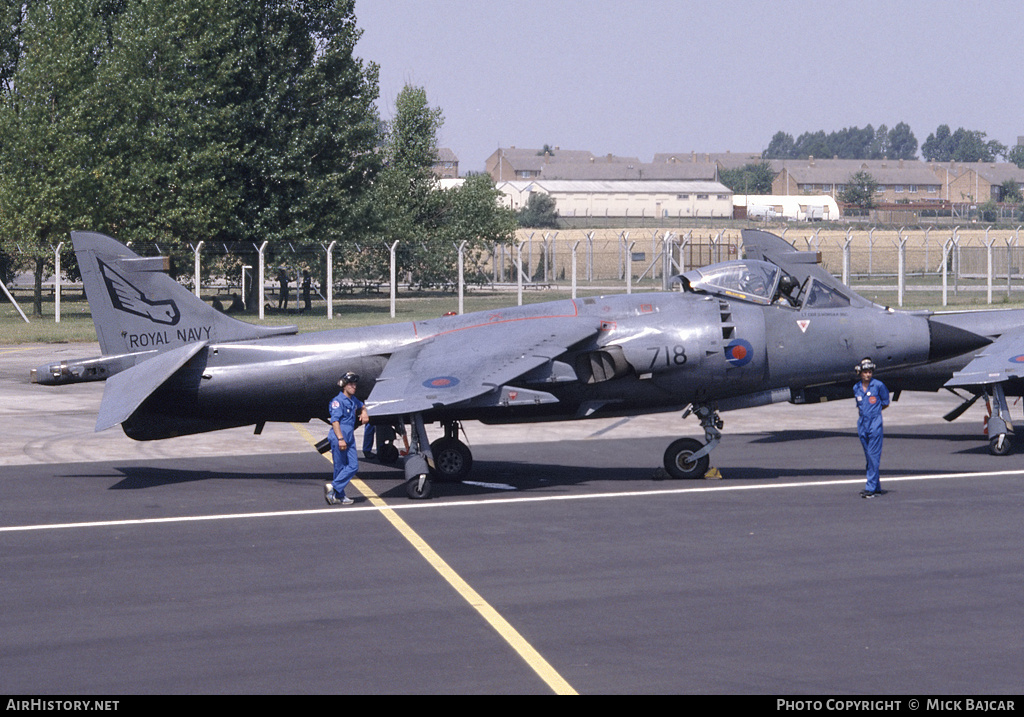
867 494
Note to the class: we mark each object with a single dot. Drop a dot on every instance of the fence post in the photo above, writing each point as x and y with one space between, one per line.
574 248
56 283
988 270
329 289
394 276
259 250
462 283
519 274
196 249
629 267
945 271
846 257
956 258
902 263
590 256
666 260
623 243
926 231
682 251
871 249
1009 262
547 255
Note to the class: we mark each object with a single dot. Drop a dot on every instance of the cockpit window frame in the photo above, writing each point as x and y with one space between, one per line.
749 280
808 290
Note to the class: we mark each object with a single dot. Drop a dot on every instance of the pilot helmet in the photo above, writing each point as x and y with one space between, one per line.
865 365
348 378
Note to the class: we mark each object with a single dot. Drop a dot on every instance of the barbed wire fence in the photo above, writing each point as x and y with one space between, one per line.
938 265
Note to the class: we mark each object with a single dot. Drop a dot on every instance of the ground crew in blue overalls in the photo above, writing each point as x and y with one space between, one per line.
872 398
345 410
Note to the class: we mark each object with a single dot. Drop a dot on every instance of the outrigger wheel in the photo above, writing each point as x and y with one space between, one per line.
418 488
679 462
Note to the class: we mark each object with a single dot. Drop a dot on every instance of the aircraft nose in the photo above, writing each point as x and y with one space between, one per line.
946 341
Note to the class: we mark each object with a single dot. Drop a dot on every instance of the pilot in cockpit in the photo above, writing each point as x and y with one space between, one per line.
786 290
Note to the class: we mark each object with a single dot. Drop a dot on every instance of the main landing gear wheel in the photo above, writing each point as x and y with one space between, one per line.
418 488
679 462
1000 445
452 459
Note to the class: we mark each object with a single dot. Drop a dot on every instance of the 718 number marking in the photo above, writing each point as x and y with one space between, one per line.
671 355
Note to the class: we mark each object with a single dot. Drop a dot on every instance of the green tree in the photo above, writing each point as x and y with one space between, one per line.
1010 192
902 142
540 212
780 147
48 127
1016 155
305 108
183 120
961 146
472 213
164 93
429 223
860 190
754 178
404 199
847 143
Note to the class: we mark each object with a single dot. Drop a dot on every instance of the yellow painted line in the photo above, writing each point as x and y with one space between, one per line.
508 633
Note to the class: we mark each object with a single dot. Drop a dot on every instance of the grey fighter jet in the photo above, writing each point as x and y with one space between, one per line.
773 327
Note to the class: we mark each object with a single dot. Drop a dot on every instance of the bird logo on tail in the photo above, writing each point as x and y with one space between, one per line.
126 297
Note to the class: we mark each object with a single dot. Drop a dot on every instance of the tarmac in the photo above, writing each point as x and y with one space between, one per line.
566 563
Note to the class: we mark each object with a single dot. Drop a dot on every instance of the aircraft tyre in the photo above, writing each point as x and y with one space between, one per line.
452 459
388 453
1000 445
679 464
418 488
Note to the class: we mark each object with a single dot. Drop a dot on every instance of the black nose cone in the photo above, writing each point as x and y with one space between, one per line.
947 341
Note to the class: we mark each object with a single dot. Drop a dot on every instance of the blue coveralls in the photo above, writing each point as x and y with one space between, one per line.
869 426
345 411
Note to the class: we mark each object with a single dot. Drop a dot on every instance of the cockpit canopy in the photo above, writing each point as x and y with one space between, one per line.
761 282
749 280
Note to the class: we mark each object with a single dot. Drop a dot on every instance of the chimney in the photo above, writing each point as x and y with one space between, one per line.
810 160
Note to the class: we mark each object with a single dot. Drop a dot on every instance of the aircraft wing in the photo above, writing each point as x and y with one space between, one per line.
460 365
1001 360
125 391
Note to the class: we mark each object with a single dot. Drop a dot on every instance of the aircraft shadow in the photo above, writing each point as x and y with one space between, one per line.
796 435
493 477
147 475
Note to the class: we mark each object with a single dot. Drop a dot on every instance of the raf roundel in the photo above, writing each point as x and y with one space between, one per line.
1017 359
739 352
441 382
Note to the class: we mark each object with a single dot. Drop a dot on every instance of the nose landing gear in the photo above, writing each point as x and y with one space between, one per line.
688 458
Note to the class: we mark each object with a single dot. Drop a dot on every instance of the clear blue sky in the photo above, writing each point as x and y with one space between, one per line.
635 78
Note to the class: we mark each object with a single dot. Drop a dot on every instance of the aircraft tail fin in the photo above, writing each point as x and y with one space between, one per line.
136 306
